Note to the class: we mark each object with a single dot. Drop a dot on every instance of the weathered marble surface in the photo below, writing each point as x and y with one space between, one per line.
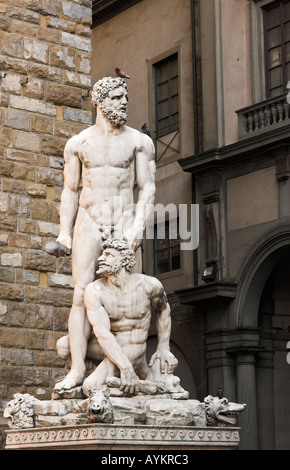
122 437
157 410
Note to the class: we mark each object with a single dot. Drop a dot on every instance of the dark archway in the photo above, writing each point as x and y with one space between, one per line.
259 364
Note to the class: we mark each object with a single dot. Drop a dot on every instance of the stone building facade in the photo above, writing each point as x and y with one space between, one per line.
203 68
230 296
45 78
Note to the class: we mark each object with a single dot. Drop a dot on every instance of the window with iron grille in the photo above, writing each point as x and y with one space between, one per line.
166 246
277 47
167 98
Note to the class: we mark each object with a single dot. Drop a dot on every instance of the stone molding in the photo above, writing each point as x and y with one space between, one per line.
102 436
104 10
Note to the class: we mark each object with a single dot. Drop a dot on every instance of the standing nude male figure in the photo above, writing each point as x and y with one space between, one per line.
110 155
119 307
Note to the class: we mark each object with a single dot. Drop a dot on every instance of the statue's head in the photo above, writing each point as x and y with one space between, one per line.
116 255
110 94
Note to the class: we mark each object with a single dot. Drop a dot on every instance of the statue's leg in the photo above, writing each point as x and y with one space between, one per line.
85 251
98 378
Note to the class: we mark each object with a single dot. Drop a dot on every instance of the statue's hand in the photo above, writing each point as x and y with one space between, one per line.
59 247
133 239
168 361
129 382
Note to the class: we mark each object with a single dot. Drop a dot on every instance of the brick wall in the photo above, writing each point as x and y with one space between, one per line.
45 66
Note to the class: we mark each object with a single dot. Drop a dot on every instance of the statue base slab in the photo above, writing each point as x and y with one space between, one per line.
123 437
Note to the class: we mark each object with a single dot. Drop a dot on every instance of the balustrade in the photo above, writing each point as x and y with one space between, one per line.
261 117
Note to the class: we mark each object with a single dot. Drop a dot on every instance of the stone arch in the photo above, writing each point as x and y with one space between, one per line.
254 273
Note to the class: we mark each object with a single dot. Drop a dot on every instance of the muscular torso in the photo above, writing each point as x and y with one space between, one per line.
108 172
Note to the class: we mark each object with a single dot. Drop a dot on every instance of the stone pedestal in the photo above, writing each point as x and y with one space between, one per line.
122 437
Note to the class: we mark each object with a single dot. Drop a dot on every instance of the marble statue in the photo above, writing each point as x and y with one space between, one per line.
110 156
110 380
119 307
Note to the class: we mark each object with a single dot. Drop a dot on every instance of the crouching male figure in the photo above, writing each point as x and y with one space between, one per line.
119 307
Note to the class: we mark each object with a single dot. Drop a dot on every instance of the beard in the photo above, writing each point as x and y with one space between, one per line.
117 118
105 270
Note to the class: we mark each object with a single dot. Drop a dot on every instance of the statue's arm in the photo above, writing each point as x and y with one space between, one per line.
69 196
145 176
159 302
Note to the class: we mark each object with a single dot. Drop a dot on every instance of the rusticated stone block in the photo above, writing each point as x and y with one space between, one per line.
36 190
6 168
23 172
41 209
11 45
26 141
47 358
67 129
76 79
7 223
5 24
49 176
45 7
36 376
60 280
41 124
48 34
7 274
79 42
39 316
18 205
52 145
11 292
35 50
83 63
11 83
61 318
23 28
39 260
27 226
18 240
62 57
83 30
25 157
48 229
3 202
14 186
11 375
16 119
77 115
64 25
77 12
11 259
27 277
35 339
48 296
34 88
63 95
33 105
64 265
43 71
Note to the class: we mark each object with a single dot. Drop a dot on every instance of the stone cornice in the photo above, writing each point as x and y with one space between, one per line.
103 10
251 148
102 436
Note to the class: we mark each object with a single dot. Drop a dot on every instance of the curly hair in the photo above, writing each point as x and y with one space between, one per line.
128 256
102 87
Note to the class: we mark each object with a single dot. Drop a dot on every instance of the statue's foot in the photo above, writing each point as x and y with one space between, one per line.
57 249
72 380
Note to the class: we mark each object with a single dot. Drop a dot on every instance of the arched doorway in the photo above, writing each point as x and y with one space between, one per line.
262 309
273 371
